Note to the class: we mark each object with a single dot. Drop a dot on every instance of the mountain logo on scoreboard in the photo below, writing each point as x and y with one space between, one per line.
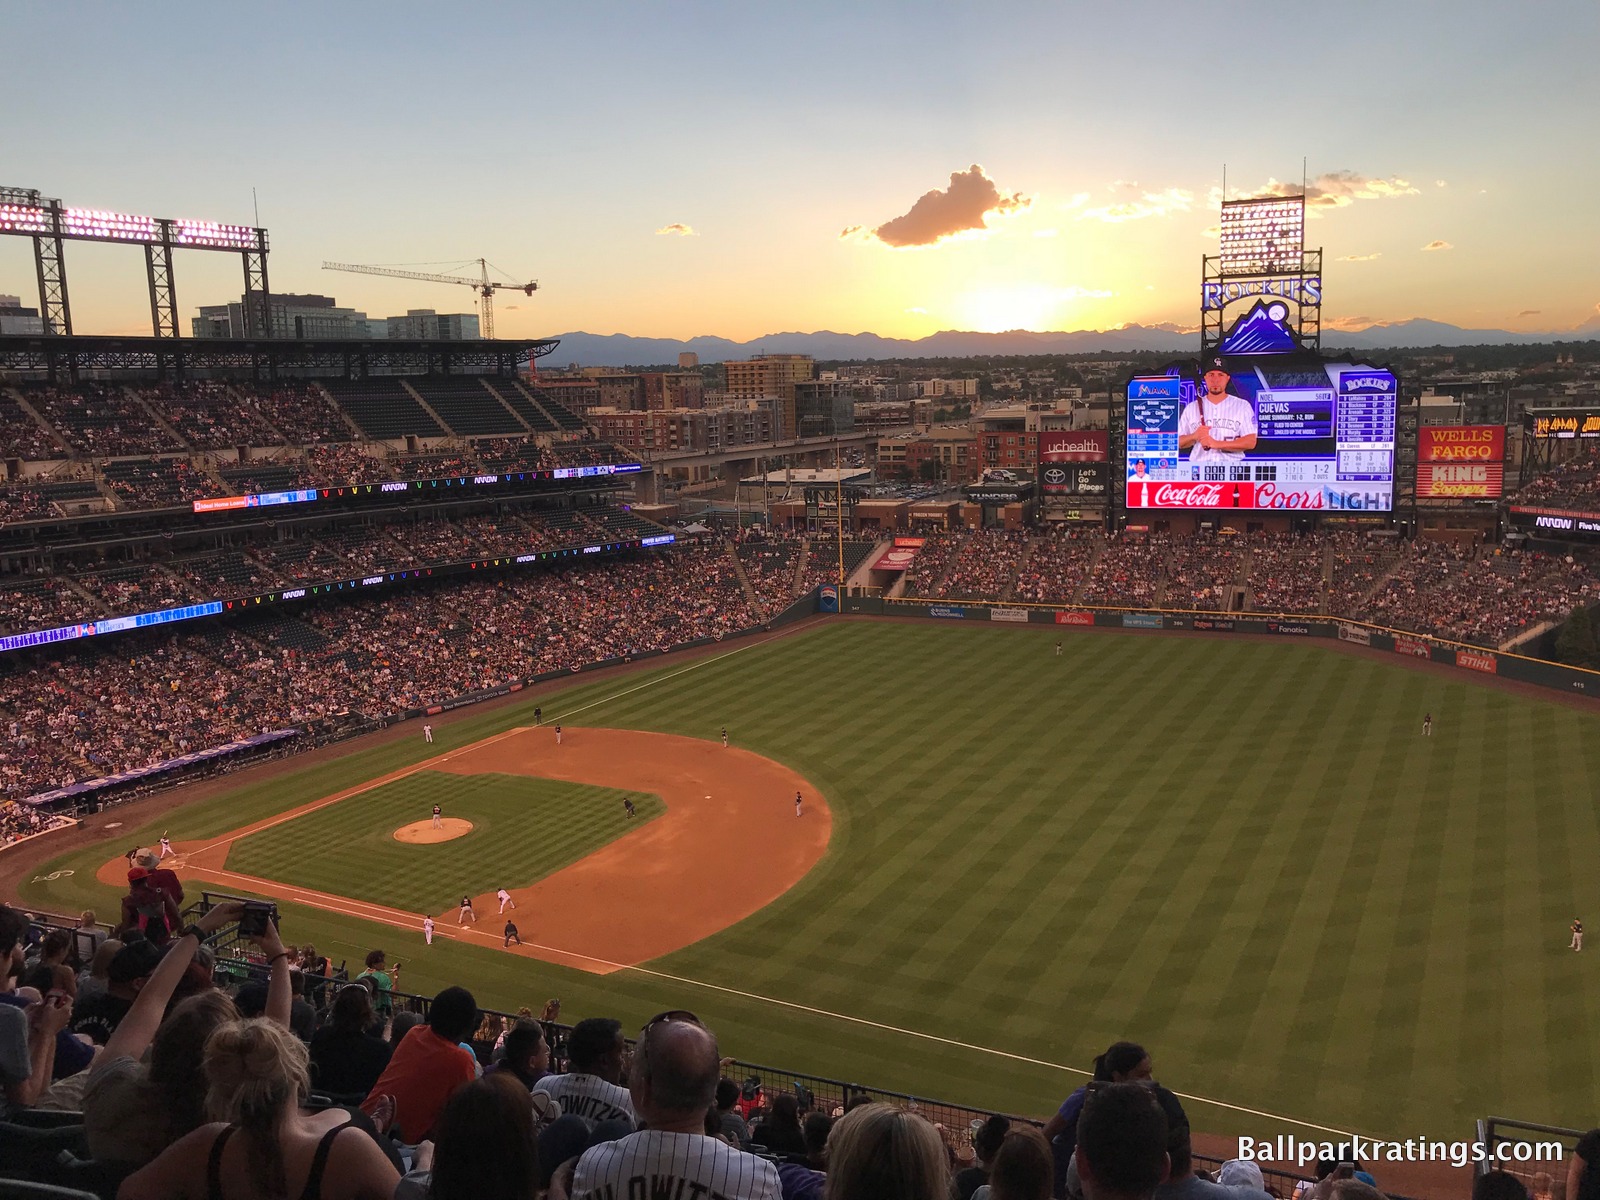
1262 330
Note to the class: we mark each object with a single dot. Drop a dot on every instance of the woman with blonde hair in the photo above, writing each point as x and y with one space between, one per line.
261 1145
879 1152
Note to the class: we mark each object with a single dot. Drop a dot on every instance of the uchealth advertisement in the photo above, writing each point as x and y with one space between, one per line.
1245 493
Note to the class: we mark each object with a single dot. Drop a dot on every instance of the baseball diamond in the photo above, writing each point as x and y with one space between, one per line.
1237 851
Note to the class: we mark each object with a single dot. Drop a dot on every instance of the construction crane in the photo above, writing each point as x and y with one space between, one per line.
484 286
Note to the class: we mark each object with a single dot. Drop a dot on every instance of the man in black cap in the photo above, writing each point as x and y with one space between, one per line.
1217 427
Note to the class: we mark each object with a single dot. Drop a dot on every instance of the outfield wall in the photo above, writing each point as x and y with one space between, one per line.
1520 668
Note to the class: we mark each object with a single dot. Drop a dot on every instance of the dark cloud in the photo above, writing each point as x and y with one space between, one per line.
1360 257
970 198
1530 312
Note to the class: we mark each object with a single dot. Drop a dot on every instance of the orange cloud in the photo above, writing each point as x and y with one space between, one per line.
938 215
1338 189
1436 244
677 229
1360 257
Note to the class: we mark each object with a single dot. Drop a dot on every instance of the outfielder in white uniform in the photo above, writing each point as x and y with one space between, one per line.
427 734
673 1082
505 899
1218 427
427 930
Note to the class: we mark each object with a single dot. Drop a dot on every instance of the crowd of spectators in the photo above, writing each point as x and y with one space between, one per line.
208 415
123 704
21 436
1057 567
1574 484
101 420
157 482
768 557
22 502
18 821
1286 572
1128 572
300 412
1477 594
1199 572
935 557
193 1074
985 567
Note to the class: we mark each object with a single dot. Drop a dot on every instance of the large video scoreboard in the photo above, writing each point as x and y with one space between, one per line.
1288 435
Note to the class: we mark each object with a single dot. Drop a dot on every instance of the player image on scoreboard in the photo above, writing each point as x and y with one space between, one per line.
1276 433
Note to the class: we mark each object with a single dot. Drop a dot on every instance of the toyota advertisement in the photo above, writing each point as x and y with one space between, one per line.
1275 435
1073 463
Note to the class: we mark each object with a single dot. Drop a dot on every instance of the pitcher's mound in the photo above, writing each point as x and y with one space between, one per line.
423 832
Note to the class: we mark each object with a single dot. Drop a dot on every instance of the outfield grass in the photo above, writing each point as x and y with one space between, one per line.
522 830
1241 854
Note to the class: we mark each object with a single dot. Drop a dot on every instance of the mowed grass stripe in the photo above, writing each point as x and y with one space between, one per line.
523 830
1242 854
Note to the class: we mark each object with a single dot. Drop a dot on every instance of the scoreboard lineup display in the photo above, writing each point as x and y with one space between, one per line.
1324 440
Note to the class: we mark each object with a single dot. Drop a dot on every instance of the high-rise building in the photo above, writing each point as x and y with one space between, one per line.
771 375
427 325
18 320
824 407
291 316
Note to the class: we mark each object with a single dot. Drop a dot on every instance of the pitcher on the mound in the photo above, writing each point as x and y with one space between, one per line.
438 817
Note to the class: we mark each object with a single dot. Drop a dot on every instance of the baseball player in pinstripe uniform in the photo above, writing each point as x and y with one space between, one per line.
673 1081
589 1089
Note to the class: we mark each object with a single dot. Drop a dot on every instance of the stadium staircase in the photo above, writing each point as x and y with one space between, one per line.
156 418
939 584
1088 571
515 415
356 434
16 398
428 408
1009 592
1326 603
744 580
249 402
522 403
800 561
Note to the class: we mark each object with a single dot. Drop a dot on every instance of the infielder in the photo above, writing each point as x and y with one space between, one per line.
427 734
505 898
427 929
797 804
438 817
1427 724
627 807
724 737
1218 427
558 735
466 911
1577 935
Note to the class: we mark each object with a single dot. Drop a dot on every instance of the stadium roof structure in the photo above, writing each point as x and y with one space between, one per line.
809 476
64 358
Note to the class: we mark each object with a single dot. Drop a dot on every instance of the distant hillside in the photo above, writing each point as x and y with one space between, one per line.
622 350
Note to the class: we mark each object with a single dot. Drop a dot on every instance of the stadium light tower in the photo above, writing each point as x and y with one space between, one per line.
483 285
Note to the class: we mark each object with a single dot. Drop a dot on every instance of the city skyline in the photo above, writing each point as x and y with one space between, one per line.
741 171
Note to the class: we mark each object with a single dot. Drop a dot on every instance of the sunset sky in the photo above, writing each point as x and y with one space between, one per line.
745 168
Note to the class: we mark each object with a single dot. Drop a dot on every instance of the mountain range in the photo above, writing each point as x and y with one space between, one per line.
622 350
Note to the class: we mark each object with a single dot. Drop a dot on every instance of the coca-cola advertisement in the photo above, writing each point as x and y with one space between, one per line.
1244 493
